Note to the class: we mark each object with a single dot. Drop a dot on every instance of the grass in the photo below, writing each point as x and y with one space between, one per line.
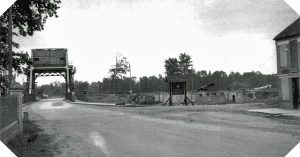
32 143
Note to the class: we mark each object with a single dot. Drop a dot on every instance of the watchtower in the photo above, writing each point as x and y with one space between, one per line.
51 62
177 86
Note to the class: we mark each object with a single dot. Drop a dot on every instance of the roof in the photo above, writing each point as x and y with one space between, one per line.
206 87
291 31
179 78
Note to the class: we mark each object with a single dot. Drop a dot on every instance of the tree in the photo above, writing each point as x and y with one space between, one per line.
118 71
219 78
53 89
120 68
183 66
28 16
172 66
203 73
185 63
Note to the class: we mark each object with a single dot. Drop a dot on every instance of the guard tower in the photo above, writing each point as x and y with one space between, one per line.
177 86
51 62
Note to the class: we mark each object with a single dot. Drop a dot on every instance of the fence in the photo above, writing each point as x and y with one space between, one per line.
8 110
217 97
11 115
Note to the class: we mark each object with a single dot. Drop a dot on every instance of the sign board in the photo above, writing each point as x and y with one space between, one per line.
49 57
177 88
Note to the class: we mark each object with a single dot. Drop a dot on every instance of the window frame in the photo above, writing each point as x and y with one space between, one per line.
283 55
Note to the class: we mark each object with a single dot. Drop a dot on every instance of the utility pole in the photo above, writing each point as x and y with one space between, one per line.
130 89
114 83
217 83
10 48
192 78
192 83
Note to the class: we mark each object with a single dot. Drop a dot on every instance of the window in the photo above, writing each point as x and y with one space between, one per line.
283 53
285 88
36 59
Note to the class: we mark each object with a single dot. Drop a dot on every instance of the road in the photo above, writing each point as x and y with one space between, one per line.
84 131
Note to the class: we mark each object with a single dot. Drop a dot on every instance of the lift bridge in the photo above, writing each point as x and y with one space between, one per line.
50 62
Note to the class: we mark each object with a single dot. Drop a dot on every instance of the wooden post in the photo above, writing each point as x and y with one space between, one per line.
31 81
170 101
68 80
67 74
130 88
185 102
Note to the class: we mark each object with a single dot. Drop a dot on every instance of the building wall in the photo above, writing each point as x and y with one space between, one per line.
279 45
210 97
287 73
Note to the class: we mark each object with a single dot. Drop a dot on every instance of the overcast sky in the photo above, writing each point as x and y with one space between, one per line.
228 35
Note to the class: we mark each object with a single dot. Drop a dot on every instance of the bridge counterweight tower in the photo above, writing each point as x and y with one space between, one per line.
51 62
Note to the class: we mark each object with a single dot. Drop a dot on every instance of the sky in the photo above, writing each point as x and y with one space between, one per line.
228 35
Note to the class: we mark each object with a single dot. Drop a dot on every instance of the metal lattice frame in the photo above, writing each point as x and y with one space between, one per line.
63 74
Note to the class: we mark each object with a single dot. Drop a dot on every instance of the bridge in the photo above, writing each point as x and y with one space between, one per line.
50 62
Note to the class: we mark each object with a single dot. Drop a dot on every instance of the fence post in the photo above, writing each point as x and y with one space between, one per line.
19 93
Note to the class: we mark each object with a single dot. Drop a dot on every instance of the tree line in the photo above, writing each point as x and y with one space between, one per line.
117 82
223 81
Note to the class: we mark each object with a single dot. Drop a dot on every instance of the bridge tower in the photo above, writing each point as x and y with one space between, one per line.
51 62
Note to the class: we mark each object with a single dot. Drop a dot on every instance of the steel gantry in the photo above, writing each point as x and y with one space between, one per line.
51 62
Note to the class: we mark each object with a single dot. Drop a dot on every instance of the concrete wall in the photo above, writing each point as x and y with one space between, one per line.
208 97
197 97
8 110
164 96
13 124
9 132
218 97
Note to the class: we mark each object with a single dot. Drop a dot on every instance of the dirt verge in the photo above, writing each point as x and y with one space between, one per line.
32 143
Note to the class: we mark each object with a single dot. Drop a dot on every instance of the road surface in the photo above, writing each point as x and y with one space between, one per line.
84 131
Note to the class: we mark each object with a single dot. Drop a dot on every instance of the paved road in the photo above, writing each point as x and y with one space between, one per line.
85 131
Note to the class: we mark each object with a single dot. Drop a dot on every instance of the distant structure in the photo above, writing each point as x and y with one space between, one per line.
177 86
51 62
206 87
262 88
288 65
